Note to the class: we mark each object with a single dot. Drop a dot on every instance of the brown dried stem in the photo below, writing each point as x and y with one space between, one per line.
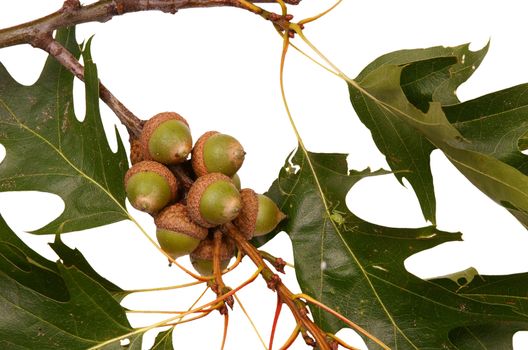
73 13
38 33
219 286
297 308
46 42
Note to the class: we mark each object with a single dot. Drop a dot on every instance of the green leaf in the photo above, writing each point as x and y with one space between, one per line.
505 290
48 149
53 306
163 340
357 268
73 257
494 125
431 74
379 95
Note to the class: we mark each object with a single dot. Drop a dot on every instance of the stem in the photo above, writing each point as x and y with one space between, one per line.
181 321
226 325
38 33
165 288
278 263
314 18
196 302
291 338
46 42
170 321
219 286
239 302
275 321
236 263
72 13
342 318
299 311
170 258
342 342
161 312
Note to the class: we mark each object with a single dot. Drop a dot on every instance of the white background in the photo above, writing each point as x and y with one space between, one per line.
219 69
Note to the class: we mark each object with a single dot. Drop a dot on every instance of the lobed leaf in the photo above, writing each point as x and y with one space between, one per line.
357 268
48 149
163 340
73 257
48 305
427 75
480 137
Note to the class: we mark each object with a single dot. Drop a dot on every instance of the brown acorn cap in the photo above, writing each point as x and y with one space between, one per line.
195 194
136 153
205 249
176 218
197 154
152 124
246 221
148 165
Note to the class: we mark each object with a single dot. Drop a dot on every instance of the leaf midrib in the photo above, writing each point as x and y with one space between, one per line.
393 110
61 155
356 260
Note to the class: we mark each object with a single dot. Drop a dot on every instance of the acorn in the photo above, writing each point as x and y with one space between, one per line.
217 153
213 200
259 214
166 138
236 181
202 257
177 234
150 186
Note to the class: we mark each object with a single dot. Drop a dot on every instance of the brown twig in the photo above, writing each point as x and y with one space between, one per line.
278 263
72 13
297 308
219 286
38 33
46 42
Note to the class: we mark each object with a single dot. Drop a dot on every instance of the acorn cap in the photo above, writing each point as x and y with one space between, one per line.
228 209
205 249
156 168
202 257
176 218
136 152
217 153
151 126
246 221
197 160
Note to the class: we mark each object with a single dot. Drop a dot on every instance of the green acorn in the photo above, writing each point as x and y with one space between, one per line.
150 186
166 138
213 200
202 257
259 214
177 234
217 153
236 181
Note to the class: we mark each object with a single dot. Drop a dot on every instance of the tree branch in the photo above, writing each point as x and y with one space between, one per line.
73 13
38 33
46 42
298 309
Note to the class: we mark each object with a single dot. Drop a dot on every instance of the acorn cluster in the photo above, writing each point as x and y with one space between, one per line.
191 198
